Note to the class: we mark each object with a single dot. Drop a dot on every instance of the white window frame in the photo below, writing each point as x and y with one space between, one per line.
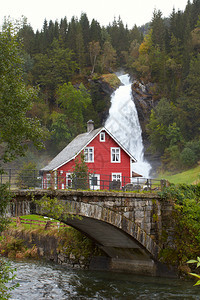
113 151
102 137
68 176
89 154
117 177
48 180
95 187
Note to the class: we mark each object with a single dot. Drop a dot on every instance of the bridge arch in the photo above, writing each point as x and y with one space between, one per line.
112 231
122 224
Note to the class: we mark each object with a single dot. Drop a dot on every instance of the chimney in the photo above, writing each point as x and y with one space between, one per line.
90 125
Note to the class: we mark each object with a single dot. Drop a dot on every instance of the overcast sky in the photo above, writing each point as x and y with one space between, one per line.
131 12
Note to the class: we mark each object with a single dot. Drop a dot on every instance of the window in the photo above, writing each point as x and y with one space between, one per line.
89 154
115 155
102 137
47 181
116 176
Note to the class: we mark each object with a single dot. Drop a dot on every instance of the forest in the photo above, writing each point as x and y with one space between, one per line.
67 60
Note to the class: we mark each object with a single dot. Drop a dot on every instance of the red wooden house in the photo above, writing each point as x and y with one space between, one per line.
107 160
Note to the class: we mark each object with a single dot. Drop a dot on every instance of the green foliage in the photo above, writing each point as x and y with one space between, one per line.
60 133
193 78
54 68
171 158
186 223
15 245
5 197
28 176
6 276
74 242
55 208
197 262
170 126
80 173
52 207
188 157
163 132
6 273
74 103
15 100
16 129
108 57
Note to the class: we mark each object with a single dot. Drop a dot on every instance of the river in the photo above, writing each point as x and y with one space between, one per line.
41 280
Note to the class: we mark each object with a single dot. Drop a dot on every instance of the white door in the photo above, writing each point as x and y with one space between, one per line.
95 181
116 181
68 180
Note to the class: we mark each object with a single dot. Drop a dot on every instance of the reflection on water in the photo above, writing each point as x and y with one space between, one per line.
41 280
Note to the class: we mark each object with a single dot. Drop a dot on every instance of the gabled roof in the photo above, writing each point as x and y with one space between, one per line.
76 146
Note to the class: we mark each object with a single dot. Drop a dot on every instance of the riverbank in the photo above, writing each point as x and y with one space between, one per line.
65 246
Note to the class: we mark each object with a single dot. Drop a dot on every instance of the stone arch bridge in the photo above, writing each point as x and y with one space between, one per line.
126 226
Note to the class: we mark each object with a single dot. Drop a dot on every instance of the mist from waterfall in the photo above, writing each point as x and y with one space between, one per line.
124 124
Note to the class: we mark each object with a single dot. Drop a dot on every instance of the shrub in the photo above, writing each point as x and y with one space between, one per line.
27 177
188 157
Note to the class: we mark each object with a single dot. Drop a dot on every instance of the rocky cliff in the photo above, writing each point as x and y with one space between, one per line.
145 101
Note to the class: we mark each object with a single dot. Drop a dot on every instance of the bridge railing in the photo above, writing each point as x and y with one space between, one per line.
35 179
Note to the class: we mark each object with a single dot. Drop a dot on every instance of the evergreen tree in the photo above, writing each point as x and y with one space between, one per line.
54 68
71 34
158 30
95 32
80 51
63 28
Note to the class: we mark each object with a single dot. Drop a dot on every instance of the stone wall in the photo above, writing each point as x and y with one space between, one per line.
47 248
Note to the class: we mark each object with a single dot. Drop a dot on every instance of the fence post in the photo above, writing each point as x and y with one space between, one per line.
9 179
138 183
162 183
75 185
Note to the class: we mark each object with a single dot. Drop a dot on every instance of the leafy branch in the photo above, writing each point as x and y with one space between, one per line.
55 208
193 261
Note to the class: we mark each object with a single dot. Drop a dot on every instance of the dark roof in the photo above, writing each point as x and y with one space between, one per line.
75 147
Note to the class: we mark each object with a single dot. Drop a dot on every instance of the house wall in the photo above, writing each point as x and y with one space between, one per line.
102 164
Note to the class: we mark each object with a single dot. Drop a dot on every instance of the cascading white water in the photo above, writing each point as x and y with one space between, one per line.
124 124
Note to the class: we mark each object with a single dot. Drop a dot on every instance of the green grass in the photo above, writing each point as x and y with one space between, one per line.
33 218
191 176
37 217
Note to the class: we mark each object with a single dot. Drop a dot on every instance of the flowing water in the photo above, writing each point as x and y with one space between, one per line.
41 280
124 124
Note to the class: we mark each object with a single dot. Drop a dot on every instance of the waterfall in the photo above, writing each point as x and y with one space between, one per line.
124 124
